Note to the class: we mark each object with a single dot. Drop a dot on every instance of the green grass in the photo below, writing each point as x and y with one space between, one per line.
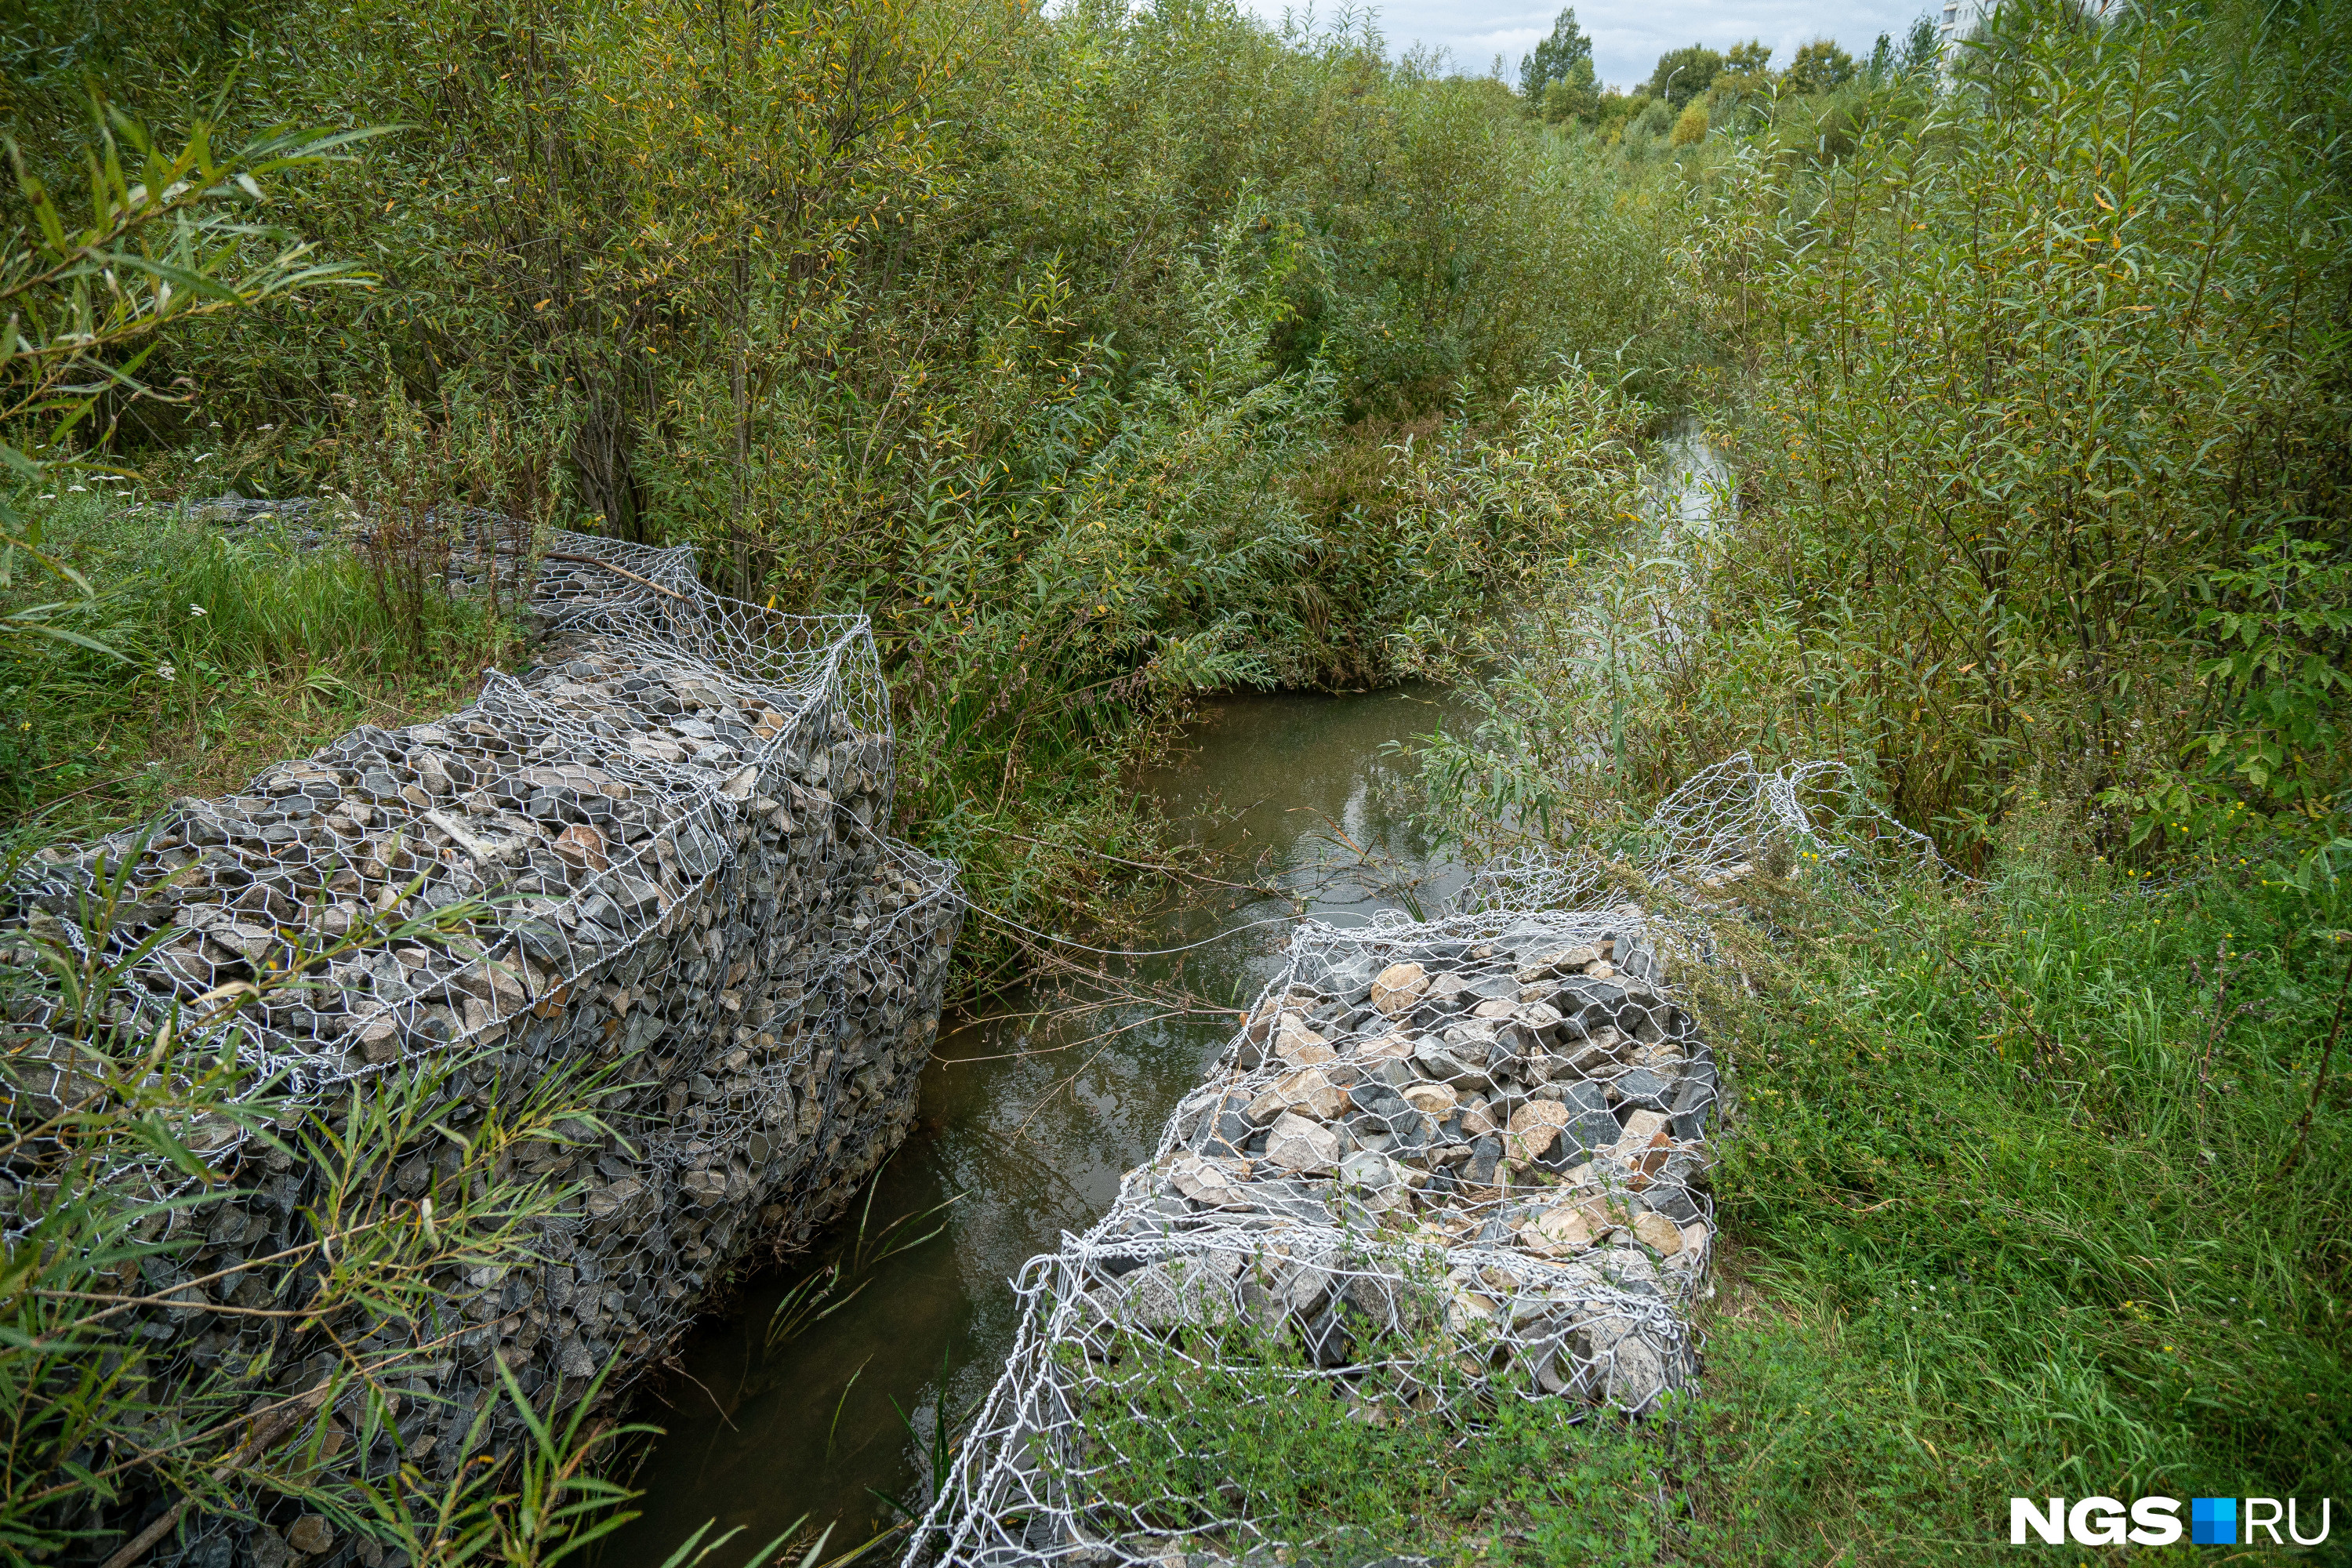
1188 1445
238 650
2040 1173
1989 1230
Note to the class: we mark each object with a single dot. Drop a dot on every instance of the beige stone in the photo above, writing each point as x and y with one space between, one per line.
1493 1008
310 1535
1658 1233
1564 1230
1395 1046
1641 1123
1567 961
1437 1100
1208 1181
1535 1127
1642 1158
1302 1146
1398 987
1307 1092
1292 1036
1605 1211
1466 1311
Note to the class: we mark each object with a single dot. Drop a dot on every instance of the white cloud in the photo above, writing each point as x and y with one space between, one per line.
1628 36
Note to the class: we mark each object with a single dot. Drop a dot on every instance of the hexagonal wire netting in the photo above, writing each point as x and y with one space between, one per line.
1442 1164
671 738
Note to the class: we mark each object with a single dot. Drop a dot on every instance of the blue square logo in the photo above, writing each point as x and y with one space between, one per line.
2213 1520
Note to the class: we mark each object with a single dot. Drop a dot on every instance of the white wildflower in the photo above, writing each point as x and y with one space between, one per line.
196 610
167 672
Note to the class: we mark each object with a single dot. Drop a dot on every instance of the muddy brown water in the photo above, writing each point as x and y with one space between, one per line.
1024 1128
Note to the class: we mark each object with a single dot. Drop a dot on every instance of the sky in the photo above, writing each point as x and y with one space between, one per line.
1628 36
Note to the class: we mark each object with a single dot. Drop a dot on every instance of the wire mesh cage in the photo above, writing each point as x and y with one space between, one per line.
1442 1164
660 861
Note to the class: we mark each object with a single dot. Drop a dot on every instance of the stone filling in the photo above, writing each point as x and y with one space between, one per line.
676 823
1487 1183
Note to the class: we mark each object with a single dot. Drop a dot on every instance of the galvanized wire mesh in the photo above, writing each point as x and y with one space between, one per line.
662 854
1724 823
1442 1165
582 805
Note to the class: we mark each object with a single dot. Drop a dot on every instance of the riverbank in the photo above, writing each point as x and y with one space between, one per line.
2021 1195
1140 354
1994 1221
1910 1207
1029 1116
2028 1199
419 1095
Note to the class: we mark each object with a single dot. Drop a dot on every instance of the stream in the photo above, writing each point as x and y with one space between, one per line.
1024 1128
1025 1123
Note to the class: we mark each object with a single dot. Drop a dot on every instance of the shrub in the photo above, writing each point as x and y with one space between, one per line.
2040 372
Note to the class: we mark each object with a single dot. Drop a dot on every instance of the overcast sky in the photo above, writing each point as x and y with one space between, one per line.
1628 36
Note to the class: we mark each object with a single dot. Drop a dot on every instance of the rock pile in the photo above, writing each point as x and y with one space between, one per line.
666 851
1440 1164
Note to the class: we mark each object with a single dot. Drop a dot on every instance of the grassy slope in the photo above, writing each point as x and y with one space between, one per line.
1985 1237
238 650
2010 1184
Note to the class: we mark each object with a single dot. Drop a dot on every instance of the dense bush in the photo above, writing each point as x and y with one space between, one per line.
2040 440
2034 507
2049 421
1080 349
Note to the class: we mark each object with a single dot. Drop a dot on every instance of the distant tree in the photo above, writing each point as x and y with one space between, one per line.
1576 96
1746 69
1750 58
1617 109
1819 67
1692 125
1922 45
1657 118
1682 74
1556 58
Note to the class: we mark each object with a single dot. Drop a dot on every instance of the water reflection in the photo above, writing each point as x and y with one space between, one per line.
1024 1129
